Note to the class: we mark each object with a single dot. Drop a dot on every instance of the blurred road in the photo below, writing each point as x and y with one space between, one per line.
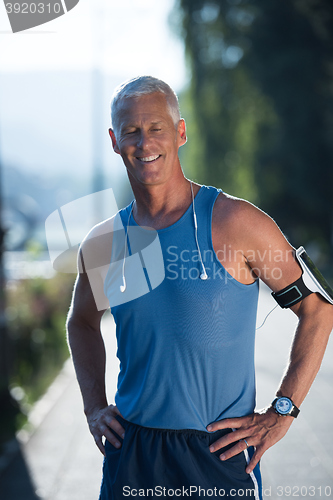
60 461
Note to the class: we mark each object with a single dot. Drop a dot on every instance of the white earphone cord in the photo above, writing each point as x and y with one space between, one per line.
203 275
262 324
123 286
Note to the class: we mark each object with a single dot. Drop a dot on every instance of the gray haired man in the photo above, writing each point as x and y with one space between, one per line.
184 423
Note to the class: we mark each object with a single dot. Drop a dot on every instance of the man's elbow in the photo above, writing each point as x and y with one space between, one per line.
316 308
326 311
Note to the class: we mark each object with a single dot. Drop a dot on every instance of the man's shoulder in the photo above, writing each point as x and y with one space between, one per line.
96 247
238 212
101 229
245 226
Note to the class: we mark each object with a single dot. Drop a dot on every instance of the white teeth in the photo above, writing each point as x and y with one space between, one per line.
149 158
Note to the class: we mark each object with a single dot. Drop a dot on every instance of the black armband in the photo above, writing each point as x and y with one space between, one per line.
311 281
291 294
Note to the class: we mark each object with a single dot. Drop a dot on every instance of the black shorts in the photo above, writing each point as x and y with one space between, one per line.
163 463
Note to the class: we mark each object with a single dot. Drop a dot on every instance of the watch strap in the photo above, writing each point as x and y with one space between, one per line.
294 411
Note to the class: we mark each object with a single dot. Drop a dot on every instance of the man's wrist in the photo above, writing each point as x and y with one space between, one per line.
92 408
284 406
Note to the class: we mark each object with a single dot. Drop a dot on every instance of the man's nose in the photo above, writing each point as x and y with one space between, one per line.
143 140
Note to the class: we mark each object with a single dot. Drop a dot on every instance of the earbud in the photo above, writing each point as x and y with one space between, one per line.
203 276
123 286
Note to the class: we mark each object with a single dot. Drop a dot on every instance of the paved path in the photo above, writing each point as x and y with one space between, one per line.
303 460
61 462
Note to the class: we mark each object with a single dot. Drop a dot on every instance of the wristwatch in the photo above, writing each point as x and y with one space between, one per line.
284 406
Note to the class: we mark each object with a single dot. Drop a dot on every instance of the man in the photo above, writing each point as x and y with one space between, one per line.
184 417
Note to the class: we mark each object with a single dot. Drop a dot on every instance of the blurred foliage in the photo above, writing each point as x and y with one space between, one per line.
36 314
261 96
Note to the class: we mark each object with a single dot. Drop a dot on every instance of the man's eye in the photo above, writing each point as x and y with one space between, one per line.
156 129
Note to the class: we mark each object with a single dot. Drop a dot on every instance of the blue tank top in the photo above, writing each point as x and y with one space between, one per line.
186 348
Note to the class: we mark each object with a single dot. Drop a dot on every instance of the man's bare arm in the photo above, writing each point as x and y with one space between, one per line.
262 430
88 353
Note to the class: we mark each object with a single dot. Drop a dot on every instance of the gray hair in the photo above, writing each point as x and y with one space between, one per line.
139 86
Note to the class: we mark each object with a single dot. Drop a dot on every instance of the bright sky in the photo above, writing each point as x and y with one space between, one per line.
125 37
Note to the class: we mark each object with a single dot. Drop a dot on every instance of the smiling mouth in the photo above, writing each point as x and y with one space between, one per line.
148 159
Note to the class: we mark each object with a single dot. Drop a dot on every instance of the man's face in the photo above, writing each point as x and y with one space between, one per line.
148 140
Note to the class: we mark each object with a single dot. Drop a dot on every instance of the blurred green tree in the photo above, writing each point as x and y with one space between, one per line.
36 315
262 98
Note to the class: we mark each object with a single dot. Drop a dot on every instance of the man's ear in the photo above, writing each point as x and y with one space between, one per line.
114 141
182 131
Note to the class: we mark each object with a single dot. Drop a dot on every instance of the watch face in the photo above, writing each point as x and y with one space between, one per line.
283 406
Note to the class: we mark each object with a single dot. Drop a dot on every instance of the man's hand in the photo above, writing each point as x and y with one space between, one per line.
101 421
261 430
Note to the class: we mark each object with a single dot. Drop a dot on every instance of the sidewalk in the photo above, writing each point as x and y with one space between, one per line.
60 460
301 464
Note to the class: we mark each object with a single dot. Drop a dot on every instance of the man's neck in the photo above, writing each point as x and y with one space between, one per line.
162 205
